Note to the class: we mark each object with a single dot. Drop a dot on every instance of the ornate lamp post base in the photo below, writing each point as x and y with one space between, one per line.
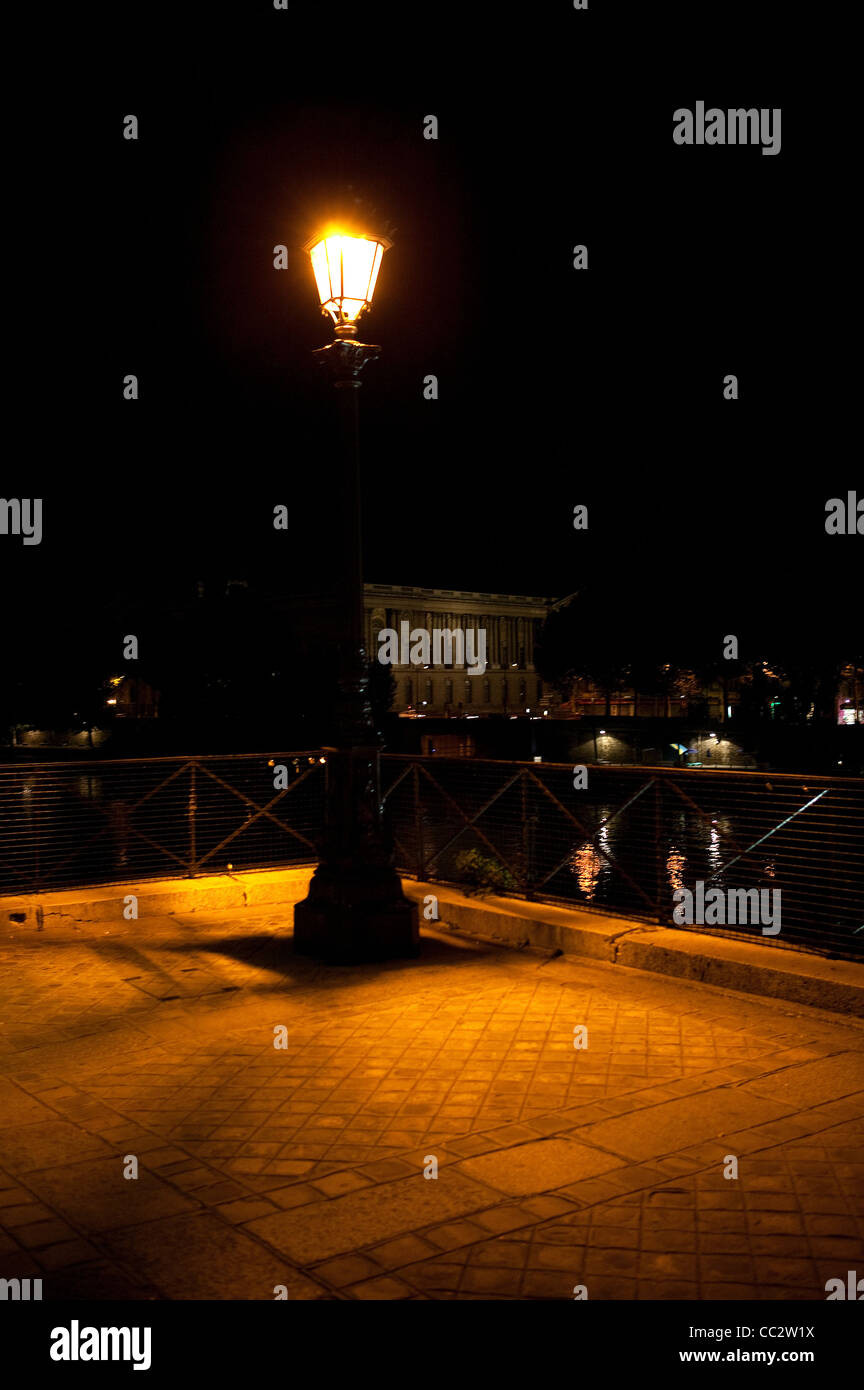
356 910
354 915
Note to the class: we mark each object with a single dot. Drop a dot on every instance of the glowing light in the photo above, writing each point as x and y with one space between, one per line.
346 270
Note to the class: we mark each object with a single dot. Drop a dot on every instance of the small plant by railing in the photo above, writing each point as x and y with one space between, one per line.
479 872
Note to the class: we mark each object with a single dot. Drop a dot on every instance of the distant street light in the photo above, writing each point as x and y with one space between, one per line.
355 910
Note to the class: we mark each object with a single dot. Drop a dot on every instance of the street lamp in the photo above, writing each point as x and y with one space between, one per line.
346 270
355 909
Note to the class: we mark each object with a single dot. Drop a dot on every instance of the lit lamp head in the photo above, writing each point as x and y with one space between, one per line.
346 269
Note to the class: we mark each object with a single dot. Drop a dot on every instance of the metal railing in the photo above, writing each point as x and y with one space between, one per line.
622 844
628 840
67 824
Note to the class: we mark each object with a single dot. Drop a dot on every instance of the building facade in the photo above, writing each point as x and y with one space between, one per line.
509 685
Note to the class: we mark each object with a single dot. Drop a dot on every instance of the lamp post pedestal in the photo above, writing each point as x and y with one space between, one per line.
356 910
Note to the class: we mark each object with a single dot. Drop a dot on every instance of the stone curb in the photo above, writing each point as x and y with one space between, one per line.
746 965
158 897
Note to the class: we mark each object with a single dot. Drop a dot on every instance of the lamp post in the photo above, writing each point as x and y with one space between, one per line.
355 910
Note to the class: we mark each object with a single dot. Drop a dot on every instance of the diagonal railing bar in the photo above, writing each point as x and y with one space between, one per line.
600 850
565 810
400 778
688 800
107 814
469 822
243 797
401 850
73 854
163 849
170 778
767 836
261 810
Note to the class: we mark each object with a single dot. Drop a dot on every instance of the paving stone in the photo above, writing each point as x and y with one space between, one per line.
617 1237
660 1265
335 1184
68 1252
95 1196
380 1289
455 1234
297 1196
23 1214
734 1268
359 1219
348 1269
546 1206
42 1233
503 1218
547 1284
246 1209
199 1257
602 1288
680 1123
26 1148
539 1166
492 1282
13 1197
567 1257
499 1254
403 1251
812 1083
387 1168
99 1280
19 1108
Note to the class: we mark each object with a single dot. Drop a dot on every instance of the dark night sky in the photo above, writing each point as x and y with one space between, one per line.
556 387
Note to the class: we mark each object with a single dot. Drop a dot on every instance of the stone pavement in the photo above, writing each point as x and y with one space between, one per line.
303 1165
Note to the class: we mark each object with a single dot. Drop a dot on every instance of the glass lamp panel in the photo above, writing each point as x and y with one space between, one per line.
333 247
320 270
346 270
358 255
376 266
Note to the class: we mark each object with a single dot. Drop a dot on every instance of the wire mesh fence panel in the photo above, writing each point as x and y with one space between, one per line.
769 851
775 850
67 824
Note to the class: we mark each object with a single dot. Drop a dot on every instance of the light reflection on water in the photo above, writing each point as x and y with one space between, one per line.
697 849
588 864
676 863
